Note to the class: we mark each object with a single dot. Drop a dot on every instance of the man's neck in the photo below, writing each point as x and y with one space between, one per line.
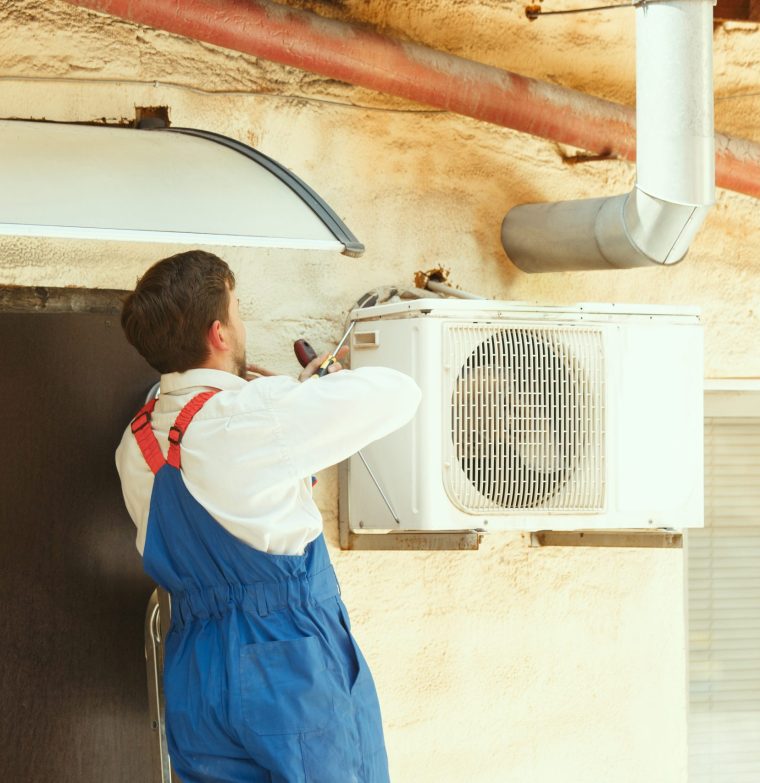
217 363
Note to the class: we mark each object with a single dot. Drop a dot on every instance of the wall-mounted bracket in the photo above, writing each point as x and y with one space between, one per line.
410 540
646 539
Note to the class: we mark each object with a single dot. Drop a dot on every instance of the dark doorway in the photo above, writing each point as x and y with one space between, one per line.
72 665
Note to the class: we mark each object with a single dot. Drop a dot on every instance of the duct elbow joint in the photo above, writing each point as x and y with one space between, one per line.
662 230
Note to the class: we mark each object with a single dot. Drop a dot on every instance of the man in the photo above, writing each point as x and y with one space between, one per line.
263 679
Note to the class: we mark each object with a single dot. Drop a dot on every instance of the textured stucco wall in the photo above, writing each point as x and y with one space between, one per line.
510 663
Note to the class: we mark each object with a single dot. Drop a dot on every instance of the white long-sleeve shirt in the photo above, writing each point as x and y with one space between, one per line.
249 453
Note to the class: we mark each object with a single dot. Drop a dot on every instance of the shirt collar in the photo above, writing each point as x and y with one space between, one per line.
177 382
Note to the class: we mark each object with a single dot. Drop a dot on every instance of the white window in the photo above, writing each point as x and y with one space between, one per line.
723 578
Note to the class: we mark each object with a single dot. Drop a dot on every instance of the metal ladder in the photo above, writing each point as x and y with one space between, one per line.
157 618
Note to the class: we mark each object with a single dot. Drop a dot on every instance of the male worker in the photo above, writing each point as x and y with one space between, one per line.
263 679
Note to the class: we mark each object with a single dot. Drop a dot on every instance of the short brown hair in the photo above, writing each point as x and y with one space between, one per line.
168 315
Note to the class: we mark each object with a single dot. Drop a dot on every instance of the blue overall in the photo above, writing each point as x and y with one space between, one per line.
263 678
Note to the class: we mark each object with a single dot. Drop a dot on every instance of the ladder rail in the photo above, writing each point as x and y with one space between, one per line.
157 616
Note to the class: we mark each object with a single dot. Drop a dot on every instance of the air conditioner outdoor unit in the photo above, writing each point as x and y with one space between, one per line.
534 417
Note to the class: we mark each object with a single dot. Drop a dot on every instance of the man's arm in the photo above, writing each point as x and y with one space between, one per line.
323 421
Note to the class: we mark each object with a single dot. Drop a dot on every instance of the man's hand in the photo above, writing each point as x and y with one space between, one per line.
253 371
312 367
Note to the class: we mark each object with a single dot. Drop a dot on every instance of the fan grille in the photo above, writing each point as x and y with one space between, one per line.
526 417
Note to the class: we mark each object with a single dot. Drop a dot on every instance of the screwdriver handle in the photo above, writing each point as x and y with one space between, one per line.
325 366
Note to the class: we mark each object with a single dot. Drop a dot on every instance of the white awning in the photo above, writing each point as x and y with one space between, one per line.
174 185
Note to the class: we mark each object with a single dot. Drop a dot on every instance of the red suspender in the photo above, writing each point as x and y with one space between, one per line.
146 440
177 431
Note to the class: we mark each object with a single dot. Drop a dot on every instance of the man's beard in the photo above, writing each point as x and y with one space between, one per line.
240 362
240 365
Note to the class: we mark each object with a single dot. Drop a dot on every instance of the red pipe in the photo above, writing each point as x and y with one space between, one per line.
362 57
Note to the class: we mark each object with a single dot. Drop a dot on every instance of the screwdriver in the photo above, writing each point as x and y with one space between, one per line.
331 358
305 354
368 300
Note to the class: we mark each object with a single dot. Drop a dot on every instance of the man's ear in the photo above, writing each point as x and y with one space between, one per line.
215 337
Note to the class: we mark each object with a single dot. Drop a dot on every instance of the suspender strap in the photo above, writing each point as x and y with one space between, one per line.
177 431
146 440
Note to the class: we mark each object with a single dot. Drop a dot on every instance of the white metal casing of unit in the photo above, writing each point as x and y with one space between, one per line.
534 417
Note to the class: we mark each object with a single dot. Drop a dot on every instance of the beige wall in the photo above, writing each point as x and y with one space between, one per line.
510 663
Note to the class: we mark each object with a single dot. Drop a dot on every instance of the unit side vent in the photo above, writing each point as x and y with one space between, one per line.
526 418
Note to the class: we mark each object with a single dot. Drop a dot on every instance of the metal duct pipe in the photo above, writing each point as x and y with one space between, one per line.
675 187
359 56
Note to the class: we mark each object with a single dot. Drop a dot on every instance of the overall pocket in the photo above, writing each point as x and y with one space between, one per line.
286 687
